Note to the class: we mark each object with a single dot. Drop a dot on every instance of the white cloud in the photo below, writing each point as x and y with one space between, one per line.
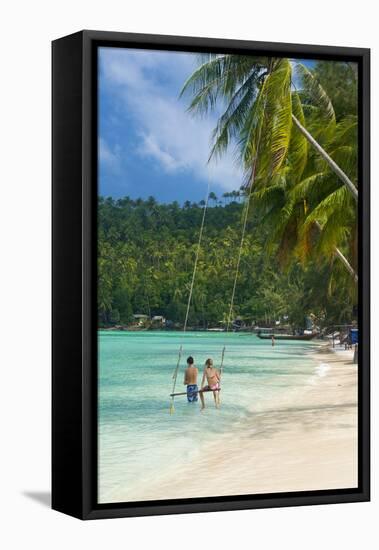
110 157
148 85
150 147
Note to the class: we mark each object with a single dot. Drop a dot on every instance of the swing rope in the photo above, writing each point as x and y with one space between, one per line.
243 233
175 375
249 187
229 318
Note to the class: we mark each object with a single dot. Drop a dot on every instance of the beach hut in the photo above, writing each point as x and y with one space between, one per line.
158 320
140 319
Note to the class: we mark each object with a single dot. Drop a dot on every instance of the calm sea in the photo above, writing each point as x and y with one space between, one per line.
139 440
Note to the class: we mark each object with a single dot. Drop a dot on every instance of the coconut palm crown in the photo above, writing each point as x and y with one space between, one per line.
300 162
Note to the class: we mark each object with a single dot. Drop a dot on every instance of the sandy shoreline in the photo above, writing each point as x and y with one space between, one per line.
308 442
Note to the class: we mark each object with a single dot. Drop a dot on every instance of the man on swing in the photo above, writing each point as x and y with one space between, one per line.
190 380
212 375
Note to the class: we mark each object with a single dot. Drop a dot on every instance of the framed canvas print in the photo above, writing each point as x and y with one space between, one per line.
210 275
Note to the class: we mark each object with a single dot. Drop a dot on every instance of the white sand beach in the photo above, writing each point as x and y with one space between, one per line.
308 441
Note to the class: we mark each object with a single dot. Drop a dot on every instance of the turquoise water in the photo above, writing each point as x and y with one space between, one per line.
138 438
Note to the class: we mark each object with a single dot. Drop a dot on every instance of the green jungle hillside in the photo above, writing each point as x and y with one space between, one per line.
146 253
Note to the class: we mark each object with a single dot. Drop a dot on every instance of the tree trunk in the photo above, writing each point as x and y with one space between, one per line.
336 169
342 258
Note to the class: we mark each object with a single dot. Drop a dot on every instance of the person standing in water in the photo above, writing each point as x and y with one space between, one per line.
190 380
273 340
212 376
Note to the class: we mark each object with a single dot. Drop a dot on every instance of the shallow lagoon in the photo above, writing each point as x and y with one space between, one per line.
139 440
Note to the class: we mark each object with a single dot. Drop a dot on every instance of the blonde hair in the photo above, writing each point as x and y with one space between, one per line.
209 362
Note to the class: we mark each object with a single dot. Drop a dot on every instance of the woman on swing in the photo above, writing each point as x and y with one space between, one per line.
212 375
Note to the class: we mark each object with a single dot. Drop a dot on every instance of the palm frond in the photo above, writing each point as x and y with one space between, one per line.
339 200
346 132
233 119
315 92
219 75
304 189
266 132
251 131
333 234
346 158
269 198
279 109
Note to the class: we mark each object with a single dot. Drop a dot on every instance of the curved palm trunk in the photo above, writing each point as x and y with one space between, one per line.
336 169
343 259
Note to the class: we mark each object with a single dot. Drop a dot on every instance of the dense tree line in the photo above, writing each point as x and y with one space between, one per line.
146 253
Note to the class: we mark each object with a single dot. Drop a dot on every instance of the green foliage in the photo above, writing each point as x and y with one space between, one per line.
340 81
306 211
313 92
146 257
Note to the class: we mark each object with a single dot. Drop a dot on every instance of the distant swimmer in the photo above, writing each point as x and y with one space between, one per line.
273 340
190 380
212 376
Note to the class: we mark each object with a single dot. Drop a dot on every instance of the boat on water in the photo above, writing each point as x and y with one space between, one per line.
269 335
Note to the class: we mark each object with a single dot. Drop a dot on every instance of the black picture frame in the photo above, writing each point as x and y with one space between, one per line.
74 203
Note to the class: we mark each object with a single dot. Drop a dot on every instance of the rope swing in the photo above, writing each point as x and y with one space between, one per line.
175 375
230 312
243 233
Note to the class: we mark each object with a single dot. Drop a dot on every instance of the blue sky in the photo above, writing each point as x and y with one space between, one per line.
148 143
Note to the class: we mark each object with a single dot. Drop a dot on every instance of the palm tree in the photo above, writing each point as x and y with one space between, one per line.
262 112
213 196
235 195
316 216
225 196
266 116
332 164
151 202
